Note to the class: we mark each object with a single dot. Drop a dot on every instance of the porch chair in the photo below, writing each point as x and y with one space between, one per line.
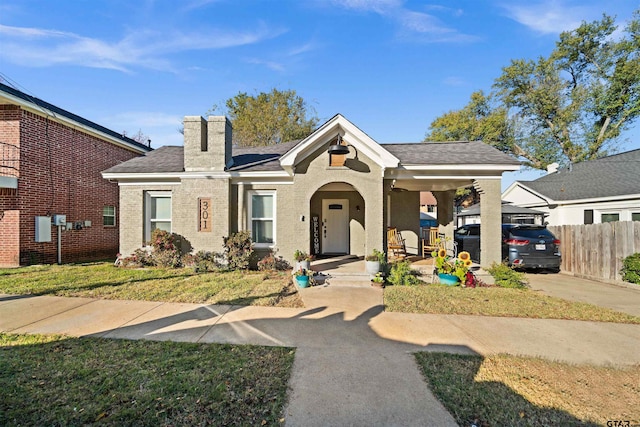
395 243
429 240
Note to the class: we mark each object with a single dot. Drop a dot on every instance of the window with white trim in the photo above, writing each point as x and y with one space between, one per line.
109 216
635 216
609 217
262 217
157 212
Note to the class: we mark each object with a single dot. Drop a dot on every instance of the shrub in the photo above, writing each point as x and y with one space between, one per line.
238 249
271 263
139 258
507 277
631 268
204 261
402 275
165 251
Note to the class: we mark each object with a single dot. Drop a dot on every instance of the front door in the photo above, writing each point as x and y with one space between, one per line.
335 226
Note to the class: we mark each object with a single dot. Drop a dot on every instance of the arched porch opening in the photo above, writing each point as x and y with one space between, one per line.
337 220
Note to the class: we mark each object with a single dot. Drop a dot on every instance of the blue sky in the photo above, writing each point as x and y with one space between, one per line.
389 66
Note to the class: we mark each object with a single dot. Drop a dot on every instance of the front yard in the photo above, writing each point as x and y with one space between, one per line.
176 383
55 380
103 280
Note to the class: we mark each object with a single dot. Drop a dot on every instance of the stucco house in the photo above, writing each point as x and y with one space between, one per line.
591 192
50 165
334 192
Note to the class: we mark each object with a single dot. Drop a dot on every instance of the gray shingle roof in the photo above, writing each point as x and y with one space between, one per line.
614 175
507 208
449 153
262 159
164 159
171 159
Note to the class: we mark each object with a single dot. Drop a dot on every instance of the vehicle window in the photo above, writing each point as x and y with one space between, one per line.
474 231
462 231
531 233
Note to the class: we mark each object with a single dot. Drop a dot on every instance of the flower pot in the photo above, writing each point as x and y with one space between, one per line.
372 267
302 281
305 265
448 279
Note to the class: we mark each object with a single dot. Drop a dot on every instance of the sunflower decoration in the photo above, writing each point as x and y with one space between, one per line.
468 263
464 256
442 253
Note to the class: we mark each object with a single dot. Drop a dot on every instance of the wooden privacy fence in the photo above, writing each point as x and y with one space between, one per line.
596 251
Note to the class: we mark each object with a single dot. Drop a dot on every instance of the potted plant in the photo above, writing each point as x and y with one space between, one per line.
303 260
378 280
374 262
451 271
303 278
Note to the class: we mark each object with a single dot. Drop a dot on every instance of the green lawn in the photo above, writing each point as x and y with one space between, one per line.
103 280
53 380
504 390
501 302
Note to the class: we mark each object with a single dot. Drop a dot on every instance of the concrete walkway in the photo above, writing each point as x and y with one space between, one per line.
354 363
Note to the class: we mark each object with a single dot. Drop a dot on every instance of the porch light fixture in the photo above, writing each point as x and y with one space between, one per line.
338 148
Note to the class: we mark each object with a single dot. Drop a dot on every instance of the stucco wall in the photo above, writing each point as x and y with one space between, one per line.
405 216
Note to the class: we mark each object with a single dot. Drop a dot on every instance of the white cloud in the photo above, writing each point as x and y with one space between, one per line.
455 81
548 16
414 25
147 49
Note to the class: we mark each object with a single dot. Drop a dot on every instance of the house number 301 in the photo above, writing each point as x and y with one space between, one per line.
204 223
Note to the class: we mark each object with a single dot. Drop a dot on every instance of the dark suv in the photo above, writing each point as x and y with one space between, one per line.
523 245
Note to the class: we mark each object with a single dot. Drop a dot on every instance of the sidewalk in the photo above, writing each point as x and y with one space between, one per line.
353 361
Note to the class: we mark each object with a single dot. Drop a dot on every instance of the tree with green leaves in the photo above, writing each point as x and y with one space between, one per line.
569 107
480 120
269 118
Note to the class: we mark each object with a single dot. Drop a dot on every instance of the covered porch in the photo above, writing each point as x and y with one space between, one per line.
403 212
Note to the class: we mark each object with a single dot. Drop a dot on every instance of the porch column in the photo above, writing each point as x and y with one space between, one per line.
445 211
490 220
242 219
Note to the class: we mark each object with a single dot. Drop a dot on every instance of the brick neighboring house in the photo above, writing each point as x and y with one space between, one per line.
50 163
310 195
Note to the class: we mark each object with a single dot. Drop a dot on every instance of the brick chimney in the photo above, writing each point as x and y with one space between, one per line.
207 143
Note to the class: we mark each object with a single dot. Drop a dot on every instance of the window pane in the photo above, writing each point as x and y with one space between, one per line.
108 211
610 217
162 225
262 231
261 206
108 220
635 216
160 208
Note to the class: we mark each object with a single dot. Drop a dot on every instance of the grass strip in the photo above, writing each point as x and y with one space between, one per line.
55 380
103 280
499 302
504 390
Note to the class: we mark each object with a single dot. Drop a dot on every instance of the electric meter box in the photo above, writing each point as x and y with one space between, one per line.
59 220
43 229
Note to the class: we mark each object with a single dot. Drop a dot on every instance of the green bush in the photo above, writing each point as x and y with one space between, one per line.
273 263
238 249
165 251
204 261
402 275
631 269
507 277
